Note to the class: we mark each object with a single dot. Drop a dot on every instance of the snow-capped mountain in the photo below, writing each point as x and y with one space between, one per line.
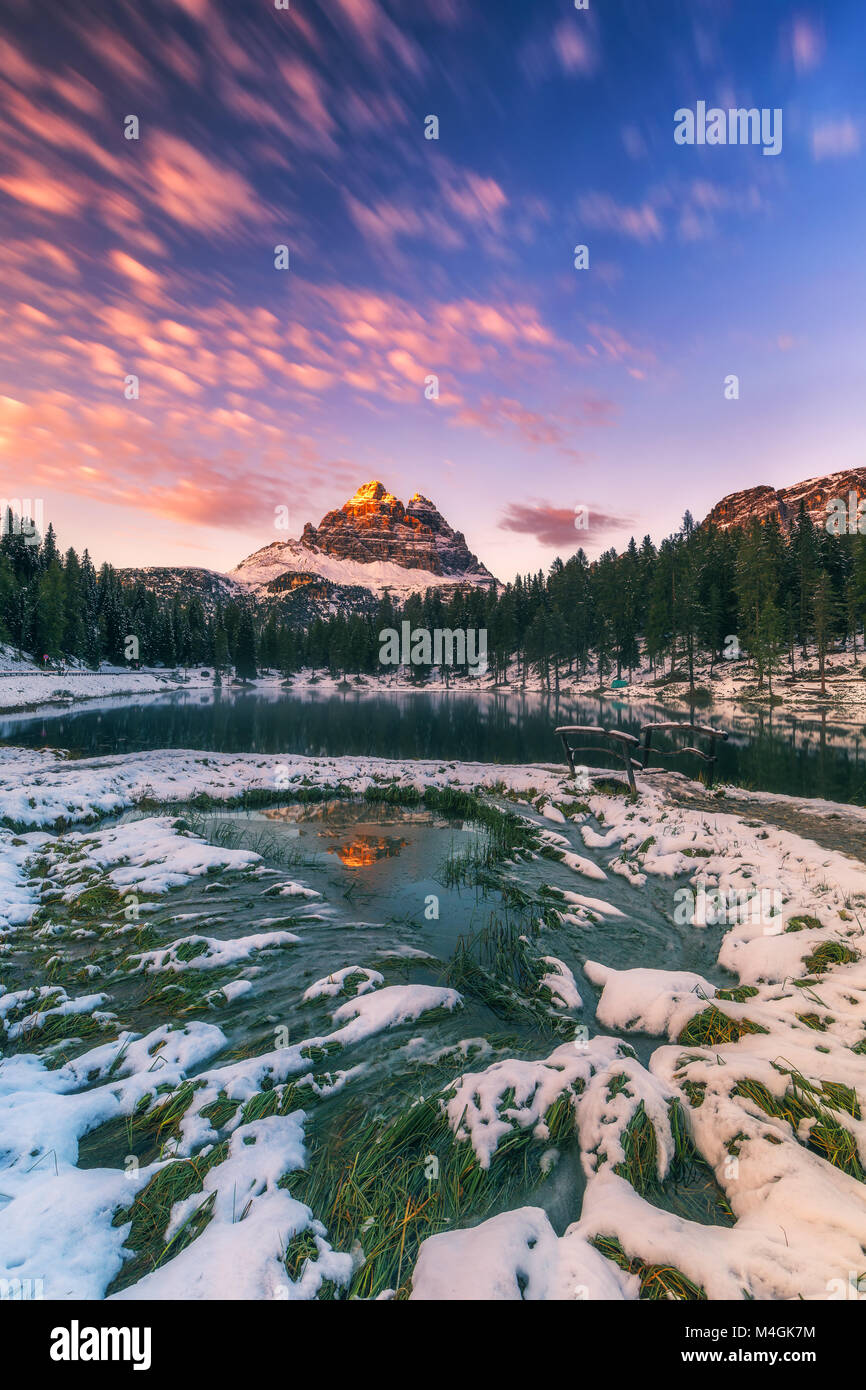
372 542
370 546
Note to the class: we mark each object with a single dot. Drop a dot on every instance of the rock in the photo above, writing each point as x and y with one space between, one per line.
374 525
738 508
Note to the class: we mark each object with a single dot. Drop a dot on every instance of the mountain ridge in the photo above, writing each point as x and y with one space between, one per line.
375 545
763 501
372 545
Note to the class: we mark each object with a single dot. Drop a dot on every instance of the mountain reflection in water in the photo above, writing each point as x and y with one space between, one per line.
366 850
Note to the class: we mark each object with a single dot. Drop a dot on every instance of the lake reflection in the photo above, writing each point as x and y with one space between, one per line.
773 751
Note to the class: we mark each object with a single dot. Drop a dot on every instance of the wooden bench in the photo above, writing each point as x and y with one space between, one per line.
626 745
704 731
618 741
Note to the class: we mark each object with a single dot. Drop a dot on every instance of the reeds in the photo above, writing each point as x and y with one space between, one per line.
656 1281
712 1028
826 1136
389 1186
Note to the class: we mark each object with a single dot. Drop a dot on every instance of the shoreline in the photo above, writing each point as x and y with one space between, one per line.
34 690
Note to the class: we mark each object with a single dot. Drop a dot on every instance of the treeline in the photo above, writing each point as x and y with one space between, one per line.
702 595
58 606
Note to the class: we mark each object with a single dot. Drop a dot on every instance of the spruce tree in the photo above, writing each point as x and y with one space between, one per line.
49 613
824 612
245 655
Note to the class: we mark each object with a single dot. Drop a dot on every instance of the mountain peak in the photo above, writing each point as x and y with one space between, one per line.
373 541
370 492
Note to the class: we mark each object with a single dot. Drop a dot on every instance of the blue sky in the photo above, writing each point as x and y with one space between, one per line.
409 257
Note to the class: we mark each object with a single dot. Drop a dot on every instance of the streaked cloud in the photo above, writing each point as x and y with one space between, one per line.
836 139
554 527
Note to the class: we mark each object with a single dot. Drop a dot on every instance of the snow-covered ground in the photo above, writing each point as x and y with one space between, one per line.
26 686
765 1079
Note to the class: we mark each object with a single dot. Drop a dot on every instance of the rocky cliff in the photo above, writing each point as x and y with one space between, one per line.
738 508
372 542
374 525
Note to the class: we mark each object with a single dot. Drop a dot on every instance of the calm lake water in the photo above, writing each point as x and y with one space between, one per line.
816 757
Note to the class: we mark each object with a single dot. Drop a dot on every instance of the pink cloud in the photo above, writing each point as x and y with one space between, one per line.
196 8
31 185
141 275
574 48
805 44
377 33
466 201
18 68
601 212
836 140
617 347
554 526
197 191
473 198
120 57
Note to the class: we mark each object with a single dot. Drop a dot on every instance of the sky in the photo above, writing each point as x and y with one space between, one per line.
262 389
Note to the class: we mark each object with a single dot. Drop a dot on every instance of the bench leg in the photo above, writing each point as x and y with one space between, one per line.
711 768
568 753
630 771
647 747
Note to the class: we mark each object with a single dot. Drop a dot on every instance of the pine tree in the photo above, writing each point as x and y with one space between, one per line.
824 611
8 597
804 554
245 655
49 613
73 606
220 643
49 554
858 582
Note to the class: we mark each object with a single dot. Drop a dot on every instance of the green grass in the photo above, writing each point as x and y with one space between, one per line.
143 1134
827 954
712 1028
738 995
656 1281
508 982
803 923
689 1188
827 1137
390 1185
696 1092
61 1037
300 1248
102 899
191 949
815 1021
150 1212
